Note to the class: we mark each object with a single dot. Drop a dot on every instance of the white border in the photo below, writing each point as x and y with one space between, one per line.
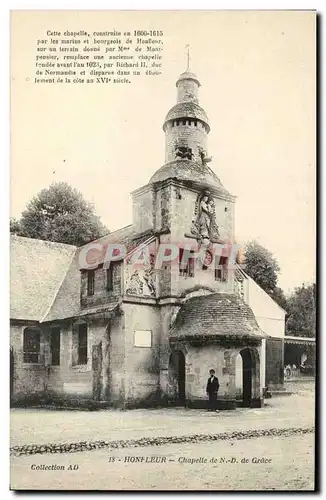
4 199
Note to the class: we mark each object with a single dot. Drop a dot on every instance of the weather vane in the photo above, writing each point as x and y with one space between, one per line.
188 57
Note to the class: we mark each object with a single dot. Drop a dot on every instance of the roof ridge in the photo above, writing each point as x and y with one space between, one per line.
108 234
38 240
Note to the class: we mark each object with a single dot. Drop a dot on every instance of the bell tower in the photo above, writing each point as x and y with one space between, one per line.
186 125
184 199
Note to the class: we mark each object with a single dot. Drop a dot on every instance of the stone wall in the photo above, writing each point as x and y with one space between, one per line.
223 359
29 379
115 355
143 209
187 91
142 363
185 134
100 379
163 209
69 380
181 284
164 272
199 360
167 315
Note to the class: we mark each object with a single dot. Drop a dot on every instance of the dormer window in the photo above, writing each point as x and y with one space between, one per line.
90 282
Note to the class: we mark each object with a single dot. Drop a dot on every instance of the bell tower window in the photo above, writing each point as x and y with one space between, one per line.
183 153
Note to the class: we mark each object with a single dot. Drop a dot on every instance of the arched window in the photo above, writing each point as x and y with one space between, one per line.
31 345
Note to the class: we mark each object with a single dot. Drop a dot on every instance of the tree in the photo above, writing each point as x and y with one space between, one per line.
15 226
261 266
301 308
279 297
59 213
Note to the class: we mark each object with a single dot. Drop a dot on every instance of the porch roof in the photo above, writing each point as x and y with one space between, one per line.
215 315
292 339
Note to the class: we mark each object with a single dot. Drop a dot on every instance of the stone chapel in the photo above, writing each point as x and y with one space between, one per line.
131 335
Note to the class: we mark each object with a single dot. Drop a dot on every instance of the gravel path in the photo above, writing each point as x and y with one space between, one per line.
156 441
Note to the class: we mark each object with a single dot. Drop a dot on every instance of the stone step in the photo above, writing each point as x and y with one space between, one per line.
284 392
299 379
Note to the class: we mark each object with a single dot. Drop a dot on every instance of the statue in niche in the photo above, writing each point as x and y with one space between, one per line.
149 280
141 282
135 284
204 224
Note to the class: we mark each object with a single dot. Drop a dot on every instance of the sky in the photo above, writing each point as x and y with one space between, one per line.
257 73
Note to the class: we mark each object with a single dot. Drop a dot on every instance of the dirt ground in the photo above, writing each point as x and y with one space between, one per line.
32 426
219 465
228 466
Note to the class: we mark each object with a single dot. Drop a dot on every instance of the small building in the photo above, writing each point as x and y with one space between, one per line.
299 356
114 331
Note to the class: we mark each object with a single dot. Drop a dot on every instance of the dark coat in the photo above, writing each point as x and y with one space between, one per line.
212 387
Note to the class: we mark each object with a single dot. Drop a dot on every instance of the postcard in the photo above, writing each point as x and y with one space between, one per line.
163 237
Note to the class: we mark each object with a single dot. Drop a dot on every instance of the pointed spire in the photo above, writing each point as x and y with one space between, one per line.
188 57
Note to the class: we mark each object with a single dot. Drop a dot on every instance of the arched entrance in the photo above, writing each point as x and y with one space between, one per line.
177 377
247 377
247 369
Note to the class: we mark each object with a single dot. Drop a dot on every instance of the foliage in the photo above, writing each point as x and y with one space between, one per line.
15 226
261 266
59 213
279 297
301 308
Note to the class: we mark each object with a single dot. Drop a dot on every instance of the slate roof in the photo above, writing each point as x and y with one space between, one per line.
187 75
216 314
189 170
188 109
45 276
125 236
67 300
37 269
